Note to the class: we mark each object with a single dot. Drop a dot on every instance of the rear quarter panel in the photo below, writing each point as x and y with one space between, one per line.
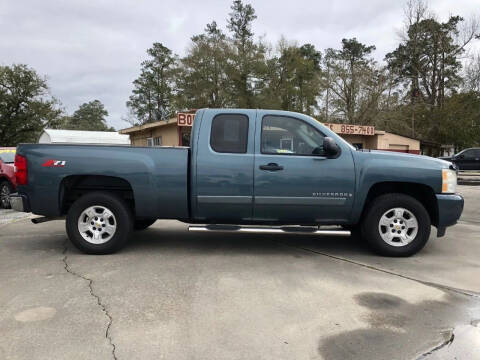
158 176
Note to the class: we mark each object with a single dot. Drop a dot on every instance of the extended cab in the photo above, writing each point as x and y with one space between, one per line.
244 168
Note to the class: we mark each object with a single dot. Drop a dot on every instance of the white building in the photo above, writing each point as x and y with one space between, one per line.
52 136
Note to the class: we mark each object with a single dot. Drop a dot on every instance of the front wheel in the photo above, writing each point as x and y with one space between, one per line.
99 223
396 225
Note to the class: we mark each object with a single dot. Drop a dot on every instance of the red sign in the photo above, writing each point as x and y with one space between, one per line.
351 129
184 119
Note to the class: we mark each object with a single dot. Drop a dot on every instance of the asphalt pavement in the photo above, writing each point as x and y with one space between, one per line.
171 294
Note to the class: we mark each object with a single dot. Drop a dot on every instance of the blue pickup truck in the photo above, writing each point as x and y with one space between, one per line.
246 170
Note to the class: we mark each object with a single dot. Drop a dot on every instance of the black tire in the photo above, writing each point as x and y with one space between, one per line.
123 222
375 211
5 190
142 224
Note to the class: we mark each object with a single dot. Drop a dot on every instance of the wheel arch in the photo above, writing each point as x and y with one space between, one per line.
73 187
421 192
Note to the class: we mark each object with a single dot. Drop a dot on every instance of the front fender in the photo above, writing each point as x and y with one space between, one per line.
379 167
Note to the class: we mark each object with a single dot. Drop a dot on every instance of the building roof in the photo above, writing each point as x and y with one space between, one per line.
53 136
148 126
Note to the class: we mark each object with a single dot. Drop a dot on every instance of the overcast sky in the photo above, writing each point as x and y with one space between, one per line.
92 49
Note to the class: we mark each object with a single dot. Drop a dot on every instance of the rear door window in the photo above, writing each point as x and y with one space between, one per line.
229 133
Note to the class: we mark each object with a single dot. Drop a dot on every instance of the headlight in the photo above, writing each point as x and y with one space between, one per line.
449 181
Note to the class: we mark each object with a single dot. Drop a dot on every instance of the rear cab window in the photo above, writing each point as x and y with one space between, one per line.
229 133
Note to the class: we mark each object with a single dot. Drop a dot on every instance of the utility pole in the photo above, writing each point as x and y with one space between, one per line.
413 123
328 92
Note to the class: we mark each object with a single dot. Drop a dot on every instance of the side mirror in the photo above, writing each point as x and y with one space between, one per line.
461 156
330 147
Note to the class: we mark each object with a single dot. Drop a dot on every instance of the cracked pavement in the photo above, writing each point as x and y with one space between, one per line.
93 294
171 294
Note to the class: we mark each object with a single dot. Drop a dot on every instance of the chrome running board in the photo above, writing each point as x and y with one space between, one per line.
270 230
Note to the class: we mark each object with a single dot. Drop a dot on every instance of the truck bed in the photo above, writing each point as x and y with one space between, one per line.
157 176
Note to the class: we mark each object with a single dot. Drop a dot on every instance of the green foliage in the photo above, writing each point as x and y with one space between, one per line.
421 92
247 58
153 93
353 82
90 116
459 120
428 60
292 81
427 63
202 79
26 107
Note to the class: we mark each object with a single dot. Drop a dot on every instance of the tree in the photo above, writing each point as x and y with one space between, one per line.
89 116
429 59
247 58
202 79
292 81
458 120
428 64
472 74
152 98
26 107
353 81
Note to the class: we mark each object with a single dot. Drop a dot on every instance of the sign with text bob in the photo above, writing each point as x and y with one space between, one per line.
185 119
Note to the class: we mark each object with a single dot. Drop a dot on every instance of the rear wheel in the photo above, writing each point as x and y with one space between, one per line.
396 225
99 223
142 224
5 191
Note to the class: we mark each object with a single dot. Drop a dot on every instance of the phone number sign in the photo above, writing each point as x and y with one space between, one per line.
185 119
351 129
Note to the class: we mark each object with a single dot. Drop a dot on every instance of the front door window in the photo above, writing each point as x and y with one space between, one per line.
282 135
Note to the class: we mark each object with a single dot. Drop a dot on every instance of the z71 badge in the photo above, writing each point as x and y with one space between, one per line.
54 163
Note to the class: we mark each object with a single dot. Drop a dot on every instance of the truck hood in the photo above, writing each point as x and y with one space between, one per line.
422 160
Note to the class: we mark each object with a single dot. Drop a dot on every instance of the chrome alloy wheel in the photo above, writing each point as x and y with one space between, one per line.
97 224
398 227
5 196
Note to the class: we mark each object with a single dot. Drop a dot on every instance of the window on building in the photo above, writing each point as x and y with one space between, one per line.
286 144
154 141
229 133
185 135
285 135
157 141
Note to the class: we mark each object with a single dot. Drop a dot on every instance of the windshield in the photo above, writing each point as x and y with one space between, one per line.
7 155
